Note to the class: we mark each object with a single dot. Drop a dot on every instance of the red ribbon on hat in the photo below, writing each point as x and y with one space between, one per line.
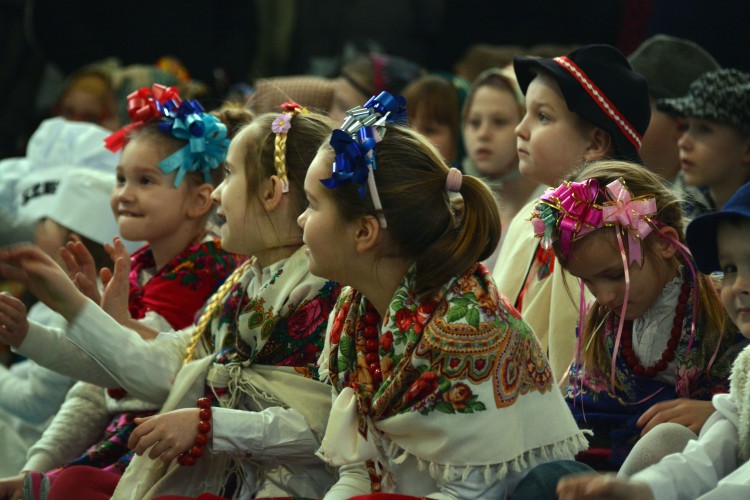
144 106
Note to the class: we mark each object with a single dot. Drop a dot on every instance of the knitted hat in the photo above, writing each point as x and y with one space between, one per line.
670 64
81 204
722 95
55 147
701 232
599 85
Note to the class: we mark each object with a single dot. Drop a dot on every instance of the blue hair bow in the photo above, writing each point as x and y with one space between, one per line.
206 135
354 143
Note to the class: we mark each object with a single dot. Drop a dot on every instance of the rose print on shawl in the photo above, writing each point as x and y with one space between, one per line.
435 355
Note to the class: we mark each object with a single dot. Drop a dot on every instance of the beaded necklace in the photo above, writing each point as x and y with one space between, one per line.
668 355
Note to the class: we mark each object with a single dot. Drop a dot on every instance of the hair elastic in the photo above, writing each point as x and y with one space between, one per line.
453 180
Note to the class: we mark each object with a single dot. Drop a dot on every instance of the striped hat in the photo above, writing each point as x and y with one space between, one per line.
599 85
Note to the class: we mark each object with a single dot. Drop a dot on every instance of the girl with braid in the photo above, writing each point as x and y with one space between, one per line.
242 407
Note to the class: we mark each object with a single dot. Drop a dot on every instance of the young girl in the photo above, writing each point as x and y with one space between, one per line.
252 353
435 103
716 464
426 359
655 345
162 196
493 110
581 107
715 141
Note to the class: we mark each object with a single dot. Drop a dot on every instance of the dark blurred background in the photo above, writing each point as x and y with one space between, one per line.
226 42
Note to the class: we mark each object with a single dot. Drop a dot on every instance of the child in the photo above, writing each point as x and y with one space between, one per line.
162 196
252 351
715 465
579 108
715 141
30 394
435 104
653 347
493 110
424 355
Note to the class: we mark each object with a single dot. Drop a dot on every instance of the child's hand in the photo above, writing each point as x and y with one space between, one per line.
81 269
42 276
691 413
170 434
117 284
13 323
596 486
11 488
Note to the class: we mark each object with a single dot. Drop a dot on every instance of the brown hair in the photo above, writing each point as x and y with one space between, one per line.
305 135
444 238
303 139
641 181
437 100
234 115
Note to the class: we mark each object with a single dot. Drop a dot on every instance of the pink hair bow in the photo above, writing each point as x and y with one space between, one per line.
633 214
578 212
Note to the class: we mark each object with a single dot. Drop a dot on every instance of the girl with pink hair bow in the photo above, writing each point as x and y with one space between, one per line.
655 344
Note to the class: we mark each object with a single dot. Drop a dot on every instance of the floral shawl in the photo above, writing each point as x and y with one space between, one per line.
612 414
464 383
268 335
183 284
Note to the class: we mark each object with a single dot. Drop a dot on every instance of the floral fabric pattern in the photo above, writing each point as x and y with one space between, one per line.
432 355
183 284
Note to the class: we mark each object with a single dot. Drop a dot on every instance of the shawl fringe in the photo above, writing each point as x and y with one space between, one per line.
560 450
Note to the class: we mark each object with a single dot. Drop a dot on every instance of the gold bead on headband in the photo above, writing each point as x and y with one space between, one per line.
280 127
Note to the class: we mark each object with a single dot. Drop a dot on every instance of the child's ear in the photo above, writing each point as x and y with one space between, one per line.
367 233
600 144
201 201
664 246
272 193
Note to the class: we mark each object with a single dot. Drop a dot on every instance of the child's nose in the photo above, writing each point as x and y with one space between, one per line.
521 129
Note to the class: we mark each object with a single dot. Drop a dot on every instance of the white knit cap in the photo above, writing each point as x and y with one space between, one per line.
81 204
56 146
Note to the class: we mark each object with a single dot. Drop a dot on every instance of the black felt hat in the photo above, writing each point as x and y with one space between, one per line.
599 85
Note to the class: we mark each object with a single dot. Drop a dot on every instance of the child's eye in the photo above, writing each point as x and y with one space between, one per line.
227 172
146 180
542 117
728 268
120 179
474 123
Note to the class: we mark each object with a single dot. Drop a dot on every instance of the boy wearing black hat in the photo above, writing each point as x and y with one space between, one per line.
716 464
581 107
715 141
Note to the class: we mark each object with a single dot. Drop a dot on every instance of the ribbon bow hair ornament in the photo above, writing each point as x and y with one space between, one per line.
354 145
183 119
633 215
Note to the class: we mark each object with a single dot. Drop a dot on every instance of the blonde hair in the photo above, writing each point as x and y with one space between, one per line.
641 181
443 237
308 131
